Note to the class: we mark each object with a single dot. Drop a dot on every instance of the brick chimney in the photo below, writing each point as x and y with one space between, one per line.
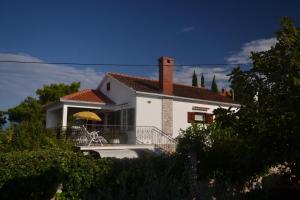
166 65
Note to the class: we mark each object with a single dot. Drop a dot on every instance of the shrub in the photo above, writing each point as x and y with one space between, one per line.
25 175
36 175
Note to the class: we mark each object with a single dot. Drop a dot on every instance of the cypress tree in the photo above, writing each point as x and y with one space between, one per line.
202 81
195 80
214 86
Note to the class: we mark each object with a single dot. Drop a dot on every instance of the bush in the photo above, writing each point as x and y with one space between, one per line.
31 136
37 174
154 177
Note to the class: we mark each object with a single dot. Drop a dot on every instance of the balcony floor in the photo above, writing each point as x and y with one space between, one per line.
118 150
117 147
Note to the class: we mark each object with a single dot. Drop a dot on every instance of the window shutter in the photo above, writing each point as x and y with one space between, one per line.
209 118
191 117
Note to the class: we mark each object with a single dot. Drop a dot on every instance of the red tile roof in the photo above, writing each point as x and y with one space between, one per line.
88 95
180 90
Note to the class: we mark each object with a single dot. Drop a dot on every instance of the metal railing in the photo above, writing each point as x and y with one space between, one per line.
153 135
83 134
117 134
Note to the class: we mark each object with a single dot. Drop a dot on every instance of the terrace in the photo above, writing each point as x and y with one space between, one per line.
116 137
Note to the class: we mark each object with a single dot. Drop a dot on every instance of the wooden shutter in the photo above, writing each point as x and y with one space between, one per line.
191 117
209 118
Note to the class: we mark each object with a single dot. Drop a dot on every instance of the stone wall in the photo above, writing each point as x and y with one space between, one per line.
167 116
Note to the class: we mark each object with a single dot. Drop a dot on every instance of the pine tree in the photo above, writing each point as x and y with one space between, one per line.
2 119
202 81
195 80
214 86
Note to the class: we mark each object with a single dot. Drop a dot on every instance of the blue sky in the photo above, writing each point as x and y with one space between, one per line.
133 32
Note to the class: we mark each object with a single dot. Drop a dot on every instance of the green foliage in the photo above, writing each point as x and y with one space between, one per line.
265 131
195 80
270 93
51 93
214 86
202 81
238 83
31 109
28 110
219 151
222 156
36 175
194 138
31 136
2 119
154 177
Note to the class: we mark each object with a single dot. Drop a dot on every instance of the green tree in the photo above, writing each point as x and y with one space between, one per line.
195 80
237 84
269 92
2 119
28 110
53 92
265 131
202 81
214 86
31 109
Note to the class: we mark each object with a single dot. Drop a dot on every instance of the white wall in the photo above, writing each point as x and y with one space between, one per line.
123 97
148 111
118 92
52 117
180 110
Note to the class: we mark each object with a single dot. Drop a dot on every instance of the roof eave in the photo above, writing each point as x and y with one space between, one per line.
192 99
130 88
78 101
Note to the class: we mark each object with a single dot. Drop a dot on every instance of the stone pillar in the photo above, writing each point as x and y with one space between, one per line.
167 116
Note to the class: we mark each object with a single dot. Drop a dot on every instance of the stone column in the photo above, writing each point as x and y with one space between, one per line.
167 116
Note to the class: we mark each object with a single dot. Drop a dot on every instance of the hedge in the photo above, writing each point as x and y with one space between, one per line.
37 174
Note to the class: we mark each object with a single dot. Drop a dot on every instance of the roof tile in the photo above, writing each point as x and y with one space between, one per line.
180 90
88 95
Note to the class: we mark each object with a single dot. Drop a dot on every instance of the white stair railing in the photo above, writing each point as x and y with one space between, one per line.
153 135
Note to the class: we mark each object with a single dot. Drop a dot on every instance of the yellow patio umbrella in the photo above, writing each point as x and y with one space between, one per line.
87 115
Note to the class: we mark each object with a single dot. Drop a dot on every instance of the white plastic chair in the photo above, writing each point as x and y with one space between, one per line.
94 137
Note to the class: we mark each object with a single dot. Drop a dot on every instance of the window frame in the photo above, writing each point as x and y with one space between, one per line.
207 118
108 86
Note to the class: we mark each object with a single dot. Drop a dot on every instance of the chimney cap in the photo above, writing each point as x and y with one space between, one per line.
166 57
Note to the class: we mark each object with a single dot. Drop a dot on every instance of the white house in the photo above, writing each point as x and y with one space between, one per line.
136 103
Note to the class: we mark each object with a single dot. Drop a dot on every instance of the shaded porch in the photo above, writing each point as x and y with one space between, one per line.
117 127
114 122
116 137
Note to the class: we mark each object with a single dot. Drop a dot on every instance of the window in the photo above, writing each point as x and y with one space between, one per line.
131 118
124 122
199 117
127 119
108 86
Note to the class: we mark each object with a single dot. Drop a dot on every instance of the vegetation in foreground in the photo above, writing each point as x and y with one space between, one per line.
263 134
